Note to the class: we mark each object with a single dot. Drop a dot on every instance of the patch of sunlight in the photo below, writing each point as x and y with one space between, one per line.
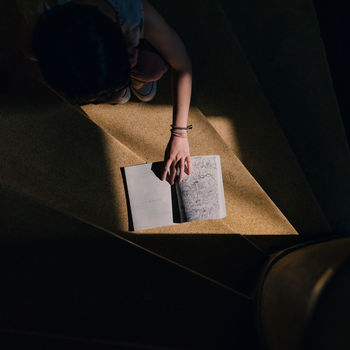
137 133
225 128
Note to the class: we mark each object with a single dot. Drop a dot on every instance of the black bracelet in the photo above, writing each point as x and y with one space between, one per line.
181 128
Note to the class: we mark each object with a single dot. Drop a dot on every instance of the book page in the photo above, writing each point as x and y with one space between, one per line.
149 197
202 193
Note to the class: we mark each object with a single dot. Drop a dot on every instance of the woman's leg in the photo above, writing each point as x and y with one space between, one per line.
150 66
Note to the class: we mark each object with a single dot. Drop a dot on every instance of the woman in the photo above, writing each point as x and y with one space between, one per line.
96 51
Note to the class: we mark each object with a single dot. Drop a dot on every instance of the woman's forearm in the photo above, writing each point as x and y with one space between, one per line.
182 89
166 41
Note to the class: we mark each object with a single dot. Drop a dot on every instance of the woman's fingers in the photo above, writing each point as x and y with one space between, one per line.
182 169
166 169
170 164
174 167
188 166
173 171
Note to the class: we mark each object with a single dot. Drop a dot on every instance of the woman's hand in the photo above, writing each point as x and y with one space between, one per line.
177 156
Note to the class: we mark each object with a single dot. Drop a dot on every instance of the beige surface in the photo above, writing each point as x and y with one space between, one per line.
54 154
249 210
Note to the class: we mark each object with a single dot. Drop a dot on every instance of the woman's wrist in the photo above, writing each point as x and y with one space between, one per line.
180 131
179 134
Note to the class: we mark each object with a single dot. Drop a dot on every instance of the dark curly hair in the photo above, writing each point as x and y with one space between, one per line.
81 53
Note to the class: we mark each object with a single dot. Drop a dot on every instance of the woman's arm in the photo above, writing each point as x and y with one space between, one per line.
165 40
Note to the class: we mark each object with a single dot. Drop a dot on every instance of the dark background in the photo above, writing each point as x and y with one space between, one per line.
334 24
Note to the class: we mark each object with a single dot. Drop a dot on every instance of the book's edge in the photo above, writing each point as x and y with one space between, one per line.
221 191
180 206
124 171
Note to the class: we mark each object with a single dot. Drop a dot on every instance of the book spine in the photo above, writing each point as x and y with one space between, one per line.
180 203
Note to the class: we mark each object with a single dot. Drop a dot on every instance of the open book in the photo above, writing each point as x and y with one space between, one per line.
155 203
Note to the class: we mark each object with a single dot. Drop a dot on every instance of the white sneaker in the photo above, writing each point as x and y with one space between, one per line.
125 98
147 92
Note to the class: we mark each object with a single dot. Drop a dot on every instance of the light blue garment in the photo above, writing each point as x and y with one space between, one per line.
129 11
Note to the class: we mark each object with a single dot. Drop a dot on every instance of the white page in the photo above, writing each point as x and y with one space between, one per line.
202 193
149 197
